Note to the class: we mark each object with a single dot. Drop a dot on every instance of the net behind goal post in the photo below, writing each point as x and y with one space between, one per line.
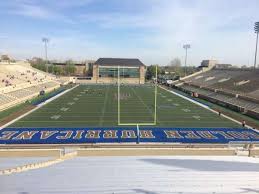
137 103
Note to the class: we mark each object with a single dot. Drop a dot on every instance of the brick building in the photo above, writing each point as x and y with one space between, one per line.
105 70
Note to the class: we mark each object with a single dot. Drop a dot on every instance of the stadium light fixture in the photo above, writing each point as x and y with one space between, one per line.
46 40
186 47
256 28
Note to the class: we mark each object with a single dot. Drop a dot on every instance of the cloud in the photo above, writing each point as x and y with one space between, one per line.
219 29
34 11
116 20
153 30
71 3
43 10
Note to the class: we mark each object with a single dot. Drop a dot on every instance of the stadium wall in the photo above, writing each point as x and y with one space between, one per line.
30 153
156 152
204 69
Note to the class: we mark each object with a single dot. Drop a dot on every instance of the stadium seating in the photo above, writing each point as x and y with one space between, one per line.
241 81
5 99
236 88
19 83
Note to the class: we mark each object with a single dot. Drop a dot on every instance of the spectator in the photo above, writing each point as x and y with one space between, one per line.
244 123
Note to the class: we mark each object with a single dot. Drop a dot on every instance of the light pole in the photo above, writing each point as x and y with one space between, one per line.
46 40
186 47
256 31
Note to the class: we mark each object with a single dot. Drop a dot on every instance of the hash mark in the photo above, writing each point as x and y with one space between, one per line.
55 117
197 117
186 110
64 109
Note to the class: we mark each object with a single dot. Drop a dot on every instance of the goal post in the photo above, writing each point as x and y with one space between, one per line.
119 96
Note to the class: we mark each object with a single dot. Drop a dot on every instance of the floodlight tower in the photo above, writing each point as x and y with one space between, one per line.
46 40
256 31
186 47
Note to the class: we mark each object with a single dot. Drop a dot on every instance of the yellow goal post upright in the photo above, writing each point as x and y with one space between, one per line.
137 124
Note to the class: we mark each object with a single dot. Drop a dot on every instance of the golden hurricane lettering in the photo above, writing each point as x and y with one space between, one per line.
6 135
67 134
72 135
25 135
190 134
177 134
93 134
110 134
206 135
173 134
222 133
47 134
238 135
251 134
146 134
128 134
78 134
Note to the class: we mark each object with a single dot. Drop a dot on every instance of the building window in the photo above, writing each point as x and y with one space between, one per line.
124 72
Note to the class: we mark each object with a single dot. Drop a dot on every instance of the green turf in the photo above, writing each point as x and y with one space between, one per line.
96 106
9 111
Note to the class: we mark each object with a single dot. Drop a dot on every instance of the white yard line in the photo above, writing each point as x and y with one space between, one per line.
149 110
37 107
206 107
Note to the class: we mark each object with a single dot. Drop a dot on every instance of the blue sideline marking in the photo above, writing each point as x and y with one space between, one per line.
126 134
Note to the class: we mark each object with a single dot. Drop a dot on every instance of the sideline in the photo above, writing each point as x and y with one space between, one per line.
37 107
206 107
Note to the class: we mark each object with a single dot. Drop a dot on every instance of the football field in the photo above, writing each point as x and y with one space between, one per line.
97 106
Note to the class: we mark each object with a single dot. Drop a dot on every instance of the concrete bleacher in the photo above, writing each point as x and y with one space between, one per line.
237 88
21 93
19 83
240 81
5 99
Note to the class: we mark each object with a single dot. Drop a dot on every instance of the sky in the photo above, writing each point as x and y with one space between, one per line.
152 30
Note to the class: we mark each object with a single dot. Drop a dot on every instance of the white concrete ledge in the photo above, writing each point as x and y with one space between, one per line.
157 152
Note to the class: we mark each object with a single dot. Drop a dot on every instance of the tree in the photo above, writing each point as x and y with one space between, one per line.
176 66
151 71
37 61
50 68
57 70
72 69
41 67
69 62
69 69
176 62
